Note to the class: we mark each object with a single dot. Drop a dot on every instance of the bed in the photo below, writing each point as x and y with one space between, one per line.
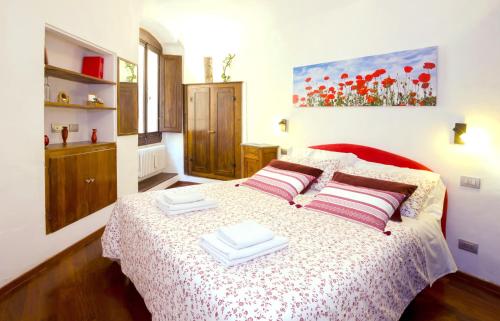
333 269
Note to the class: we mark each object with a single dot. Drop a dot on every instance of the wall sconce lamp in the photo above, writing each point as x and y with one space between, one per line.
459 130
283 125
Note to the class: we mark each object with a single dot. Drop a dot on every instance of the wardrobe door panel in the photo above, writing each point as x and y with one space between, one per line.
223 127
198 139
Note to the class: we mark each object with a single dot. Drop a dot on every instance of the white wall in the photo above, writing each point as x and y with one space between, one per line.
111 24
271 37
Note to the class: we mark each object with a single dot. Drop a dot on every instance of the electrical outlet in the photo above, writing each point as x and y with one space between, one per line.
57 128
468 246
284 151
73 127
471 182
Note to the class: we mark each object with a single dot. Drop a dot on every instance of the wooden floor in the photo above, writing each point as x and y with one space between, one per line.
85 286
82 286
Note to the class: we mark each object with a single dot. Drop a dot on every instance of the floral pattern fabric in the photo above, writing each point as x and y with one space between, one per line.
333 269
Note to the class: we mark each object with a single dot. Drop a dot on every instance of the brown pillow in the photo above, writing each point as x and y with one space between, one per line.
316 172
379 184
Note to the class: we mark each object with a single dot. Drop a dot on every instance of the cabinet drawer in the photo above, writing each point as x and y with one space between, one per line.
251 152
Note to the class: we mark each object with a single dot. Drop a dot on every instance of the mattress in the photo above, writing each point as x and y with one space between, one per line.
333 269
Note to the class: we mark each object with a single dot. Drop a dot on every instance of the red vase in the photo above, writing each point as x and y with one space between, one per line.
46 140
64 134
93 138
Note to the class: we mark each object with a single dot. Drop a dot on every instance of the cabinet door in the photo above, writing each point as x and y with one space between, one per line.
67 189
198 131
224 124
250 166
102 173
127 109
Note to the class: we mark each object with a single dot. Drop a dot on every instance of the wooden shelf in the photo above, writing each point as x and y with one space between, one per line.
78 145
62 73
76 106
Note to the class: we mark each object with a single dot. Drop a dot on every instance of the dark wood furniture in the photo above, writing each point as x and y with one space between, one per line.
212 137
76 106
80 179
256 156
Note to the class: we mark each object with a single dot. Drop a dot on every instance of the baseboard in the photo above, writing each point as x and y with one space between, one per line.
478 282
12 285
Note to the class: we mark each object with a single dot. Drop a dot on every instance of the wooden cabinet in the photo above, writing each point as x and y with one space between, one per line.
213 130
80 179
256 156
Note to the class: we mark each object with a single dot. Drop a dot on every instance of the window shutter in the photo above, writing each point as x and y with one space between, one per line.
171 106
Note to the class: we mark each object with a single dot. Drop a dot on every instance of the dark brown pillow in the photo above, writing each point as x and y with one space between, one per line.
379 184
316 172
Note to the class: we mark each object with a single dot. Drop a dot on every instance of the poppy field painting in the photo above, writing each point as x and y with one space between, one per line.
403 78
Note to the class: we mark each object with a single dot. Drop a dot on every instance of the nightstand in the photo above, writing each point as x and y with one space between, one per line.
256 156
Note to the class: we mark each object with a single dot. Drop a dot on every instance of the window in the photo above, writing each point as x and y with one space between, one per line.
149 93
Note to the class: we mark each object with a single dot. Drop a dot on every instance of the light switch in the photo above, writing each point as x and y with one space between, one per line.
73 127
471 182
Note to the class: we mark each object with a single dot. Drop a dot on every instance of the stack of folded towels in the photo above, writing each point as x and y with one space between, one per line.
180 203
242 242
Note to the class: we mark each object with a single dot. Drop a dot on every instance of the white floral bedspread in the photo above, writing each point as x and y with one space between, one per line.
332 270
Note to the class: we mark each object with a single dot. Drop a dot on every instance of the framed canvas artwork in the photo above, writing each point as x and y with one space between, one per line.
403 78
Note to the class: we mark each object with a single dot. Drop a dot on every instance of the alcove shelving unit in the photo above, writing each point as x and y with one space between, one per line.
80 176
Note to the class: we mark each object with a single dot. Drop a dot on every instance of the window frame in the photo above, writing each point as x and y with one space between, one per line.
150 43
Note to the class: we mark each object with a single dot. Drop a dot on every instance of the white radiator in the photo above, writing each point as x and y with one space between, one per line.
152 160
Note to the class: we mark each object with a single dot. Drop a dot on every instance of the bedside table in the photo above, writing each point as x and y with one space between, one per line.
256 156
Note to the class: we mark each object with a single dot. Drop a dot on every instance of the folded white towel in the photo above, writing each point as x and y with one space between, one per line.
244 234
185 208
182 198
229 256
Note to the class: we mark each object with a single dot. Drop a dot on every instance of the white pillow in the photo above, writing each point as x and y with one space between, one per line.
425 180
303 152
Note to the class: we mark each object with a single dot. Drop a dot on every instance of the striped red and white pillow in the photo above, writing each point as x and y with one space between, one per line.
279 182
368 206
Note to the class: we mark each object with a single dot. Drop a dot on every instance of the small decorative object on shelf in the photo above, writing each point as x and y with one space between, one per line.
45 140
93 100
63 97
64 134
93 66
46 87
209 76
93 138
226 63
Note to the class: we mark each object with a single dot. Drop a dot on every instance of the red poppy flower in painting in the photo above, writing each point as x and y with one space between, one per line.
379 72
344 76
360 82
295 99
340 93
330 96
363 91
331 89
413 94
354 87
308 79
359 77
309 88
348 83
408 69
303 105
415 81
327 102
326 78
425 85
302 99
368 77
322 87
323 95
429 65
341 85
387 82
424 77
370 99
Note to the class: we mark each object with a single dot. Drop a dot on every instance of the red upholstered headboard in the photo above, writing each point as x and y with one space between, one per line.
379 156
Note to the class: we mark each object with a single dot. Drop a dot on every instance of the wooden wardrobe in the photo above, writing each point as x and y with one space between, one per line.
212 137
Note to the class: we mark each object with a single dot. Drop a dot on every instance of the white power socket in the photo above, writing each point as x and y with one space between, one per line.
57 128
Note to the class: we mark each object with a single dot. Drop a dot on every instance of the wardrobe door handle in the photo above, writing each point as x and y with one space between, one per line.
87 181
211 131
92 180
